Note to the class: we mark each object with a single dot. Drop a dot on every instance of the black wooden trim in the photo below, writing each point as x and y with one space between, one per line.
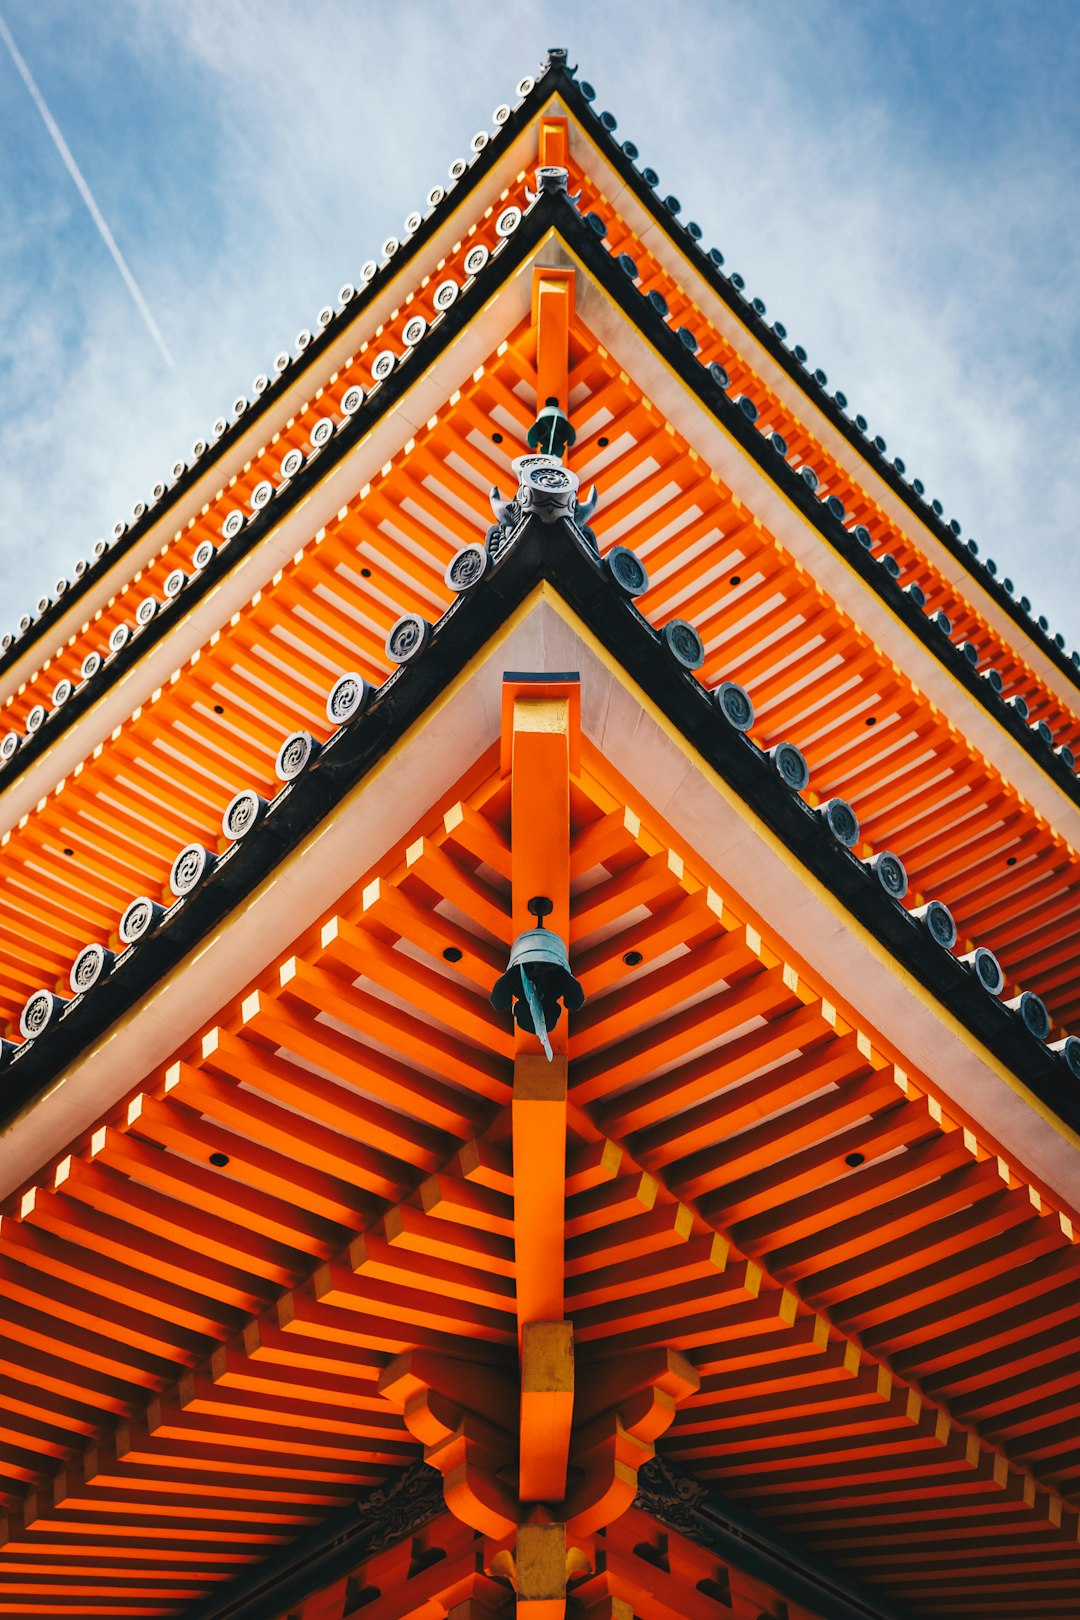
330 1551
560 554
750 1544
763 332
483 162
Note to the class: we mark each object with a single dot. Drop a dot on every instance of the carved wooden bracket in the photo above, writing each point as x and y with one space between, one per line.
622 1408
465 1416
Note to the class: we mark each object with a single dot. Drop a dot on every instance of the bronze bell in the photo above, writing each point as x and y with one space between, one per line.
551 433
537 977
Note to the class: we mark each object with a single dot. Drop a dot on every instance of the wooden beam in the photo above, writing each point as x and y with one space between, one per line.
553 316
540 1561
547 1407
539 744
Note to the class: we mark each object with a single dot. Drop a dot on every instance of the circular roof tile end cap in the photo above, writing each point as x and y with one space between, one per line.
466 568
445 294
836 507
938 921
626 571
93 962
347 698
890 872
1068 1050
683 643
719 375
475 260
140 918
42 1009
407 638
985 967
790 765
190 867
291 463
243 812
841 821
1031 1010
734 703
295 755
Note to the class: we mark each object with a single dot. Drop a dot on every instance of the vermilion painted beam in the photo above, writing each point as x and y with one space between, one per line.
547 1408
541 741
553 315
540 1564
538 743
554 141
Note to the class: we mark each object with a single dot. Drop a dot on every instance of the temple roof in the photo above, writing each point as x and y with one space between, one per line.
554 81
403 491
285 1195
760 1181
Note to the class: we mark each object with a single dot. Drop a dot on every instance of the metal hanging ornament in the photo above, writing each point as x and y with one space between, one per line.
551 433
538 982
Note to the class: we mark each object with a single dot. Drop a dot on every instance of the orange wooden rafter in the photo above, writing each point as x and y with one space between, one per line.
840 479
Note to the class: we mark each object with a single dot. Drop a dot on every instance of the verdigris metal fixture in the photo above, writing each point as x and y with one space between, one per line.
537 979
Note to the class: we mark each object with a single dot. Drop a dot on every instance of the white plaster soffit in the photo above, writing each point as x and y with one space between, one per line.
544 635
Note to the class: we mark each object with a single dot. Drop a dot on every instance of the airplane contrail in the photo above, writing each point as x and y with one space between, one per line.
85 193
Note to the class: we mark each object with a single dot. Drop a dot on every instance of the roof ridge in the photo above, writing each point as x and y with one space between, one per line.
645 182
751 311
267 388
737 415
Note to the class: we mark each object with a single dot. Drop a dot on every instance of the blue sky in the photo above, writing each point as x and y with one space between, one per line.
899 183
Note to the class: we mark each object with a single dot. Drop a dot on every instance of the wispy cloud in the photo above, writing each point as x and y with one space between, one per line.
85 193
